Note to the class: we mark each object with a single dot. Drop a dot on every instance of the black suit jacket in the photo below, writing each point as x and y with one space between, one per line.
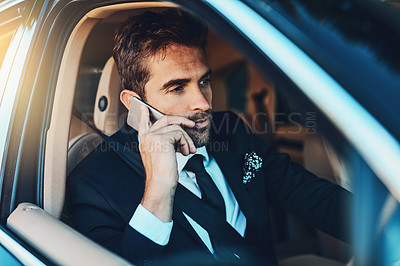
105 189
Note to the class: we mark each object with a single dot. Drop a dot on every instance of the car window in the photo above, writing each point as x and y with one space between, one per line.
11 18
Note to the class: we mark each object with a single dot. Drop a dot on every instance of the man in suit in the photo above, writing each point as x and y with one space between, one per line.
193 182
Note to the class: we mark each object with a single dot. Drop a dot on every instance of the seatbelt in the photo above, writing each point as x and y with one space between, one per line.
84 119
112 143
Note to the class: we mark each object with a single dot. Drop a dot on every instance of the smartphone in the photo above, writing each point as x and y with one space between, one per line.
134 113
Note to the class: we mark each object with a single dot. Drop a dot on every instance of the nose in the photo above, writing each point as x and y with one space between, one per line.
199 100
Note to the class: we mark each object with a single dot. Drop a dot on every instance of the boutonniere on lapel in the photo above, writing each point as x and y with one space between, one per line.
252 163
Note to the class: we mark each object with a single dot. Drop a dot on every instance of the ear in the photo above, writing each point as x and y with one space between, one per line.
125 97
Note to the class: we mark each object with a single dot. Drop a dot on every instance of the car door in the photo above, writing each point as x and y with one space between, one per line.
18 28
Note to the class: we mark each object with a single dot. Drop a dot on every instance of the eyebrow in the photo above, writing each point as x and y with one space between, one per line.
174 82
207 74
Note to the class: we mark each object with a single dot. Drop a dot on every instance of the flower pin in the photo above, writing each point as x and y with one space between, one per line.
252 163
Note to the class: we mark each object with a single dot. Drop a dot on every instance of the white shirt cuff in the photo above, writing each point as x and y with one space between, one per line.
150 226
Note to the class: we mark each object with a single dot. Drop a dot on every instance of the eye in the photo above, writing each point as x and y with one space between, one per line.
177 89
204 82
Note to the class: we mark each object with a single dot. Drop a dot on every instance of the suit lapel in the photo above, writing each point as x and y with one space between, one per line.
180 219
203 215
231 165
231 159
125 143
247 195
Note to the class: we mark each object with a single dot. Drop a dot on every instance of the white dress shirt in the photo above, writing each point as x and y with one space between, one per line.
159 232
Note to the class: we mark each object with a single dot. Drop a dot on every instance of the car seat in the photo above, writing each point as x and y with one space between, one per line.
109 115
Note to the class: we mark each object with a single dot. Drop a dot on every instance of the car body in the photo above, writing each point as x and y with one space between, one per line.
335 65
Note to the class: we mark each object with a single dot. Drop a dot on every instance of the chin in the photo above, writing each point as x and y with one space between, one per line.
200 137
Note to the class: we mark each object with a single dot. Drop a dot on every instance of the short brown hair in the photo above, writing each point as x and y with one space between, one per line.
145 35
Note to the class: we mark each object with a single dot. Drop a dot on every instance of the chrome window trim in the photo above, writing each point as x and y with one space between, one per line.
24 256
378 147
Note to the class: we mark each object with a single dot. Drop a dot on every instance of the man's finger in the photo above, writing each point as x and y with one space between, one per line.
172 120
189 141
182 141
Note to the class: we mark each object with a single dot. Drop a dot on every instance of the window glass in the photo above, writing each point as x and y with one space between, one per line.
10 18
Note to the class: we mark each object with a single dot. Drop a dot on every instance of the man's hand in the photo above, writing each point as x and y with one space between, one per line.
158 144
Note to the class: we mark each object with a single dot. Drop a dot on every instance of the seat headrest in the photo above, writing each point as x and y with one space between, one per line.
109 113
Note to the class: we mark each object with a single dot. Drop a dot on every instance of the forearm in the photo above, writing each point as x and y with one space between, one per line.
159 199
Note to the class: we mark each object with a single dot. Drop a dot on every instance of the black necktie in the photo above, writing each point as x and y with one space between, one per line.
209 191
211 196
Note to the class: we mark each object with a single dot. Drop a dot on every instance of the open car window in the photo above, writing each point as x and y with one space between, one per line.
297 99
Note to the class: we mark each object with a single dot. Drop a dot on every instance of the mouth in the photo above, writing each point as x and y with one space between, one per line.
201 123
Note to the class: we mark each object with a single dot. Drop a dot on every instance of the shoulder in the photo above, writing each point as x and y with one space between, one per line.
230 129
101 153
103 177
104 162
124 139
229 125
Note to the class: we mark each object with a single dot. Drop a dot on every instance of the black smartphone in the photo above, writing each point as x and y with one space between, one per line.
134 113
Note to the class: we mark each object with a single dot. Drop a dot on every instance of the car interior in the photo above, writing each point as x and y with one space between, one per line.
88 86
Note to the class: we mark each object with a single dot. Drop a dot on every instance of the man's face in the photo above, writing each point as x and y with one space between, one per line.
179 85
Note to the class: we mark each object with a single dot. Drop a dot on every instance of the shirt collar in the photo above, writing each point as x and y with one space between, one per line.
182 159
